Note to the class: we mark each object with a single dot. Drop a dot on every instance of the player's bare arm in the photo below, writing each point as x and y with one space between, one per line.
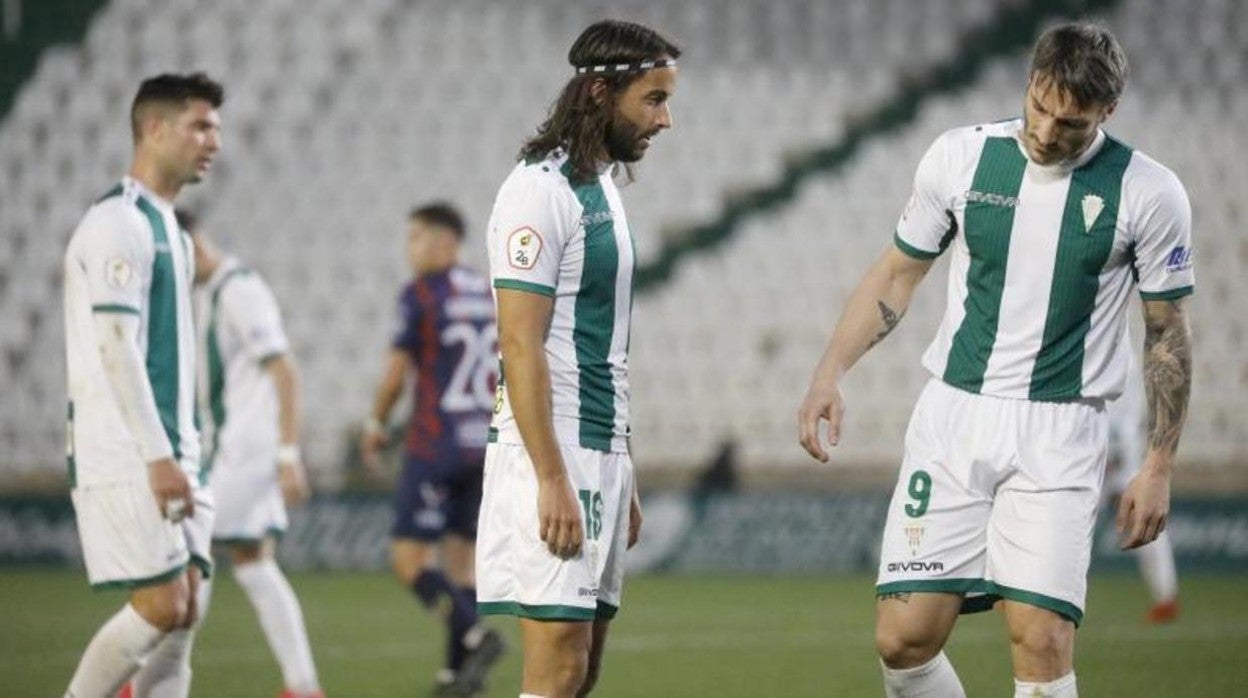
874 309
523 319
374 437
1145 504
634 518
128 377
291 476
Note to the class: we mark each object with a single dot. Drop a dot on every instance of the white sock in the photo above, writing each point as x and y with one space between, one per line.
282 620
935 679
1057 688
1156 562
167 673
118 649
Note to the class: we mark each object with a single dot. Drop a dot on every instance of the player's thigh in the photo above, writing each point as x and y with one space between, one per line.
409 557
935 527
1040 533
458 555
598 645
126 540
1042 642
165 605
421 502
250 551
556 654
912 627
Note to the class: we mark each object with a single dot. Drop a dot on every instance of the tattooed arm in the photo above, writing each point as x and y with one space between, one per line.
1145 503
873 310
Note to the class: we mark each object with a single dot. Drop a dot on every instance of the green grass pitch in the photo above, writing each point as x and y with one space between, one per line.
675 636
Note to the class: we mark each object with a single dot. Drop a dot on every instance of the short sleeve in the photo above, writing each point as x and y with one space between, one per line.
927 223
408 310
116 263
1163 241
254 317
533 220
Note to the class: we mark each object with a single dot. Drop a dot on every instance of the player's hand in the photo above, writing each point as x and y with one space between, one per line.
823 401
293 480
171 488
634 520
371 442
559 518
1145 507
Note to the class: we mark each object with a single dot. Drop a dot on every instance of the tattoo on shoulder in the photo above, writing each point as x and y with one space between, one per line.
890 318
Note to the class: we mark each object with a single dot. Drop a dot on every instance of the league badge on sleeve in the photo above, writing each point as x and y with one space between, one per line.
118 272
524 246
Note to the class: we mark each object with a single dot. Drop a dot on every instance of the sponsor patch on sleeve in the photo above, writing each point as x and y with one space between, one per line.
524 246
1179 259
118 272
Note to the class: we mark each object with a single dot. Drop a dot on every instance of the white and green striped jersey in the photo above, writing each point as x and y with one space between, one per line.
128 256
570 241
239 328
1043 259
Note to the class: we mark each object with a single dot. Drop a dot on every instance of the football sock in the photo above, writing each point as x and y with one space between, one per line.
1156 562
167 672
935 679
281 617
461 612
1058 688
116 651
455 647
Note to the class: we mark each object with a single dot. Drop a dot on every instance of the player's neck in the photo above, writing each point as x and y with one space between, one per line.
150 176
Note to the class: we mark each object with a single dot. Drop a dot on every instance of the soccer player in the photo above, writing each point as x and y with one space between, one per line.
449 340
1126 452
560 504
1048 219
249 411
133 448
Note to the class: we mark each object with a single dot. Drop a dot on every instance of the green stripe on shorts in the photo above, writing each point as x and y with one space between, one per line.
154 580
537 612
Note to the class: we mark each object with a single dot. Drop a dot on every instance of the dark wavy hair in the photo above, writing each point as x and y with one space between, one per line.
1083 59
577 122
171 91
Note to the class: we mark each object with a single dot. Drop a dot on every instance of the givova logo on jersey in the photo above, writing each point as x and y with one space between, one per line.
1179 259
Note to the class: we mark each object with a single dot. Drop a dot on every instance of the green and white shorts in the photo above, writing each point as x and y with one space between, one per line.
127 543
516 573
996 498
248 496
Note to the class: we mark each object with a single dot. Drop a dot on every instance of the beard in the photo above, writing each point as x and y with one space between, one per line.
624 142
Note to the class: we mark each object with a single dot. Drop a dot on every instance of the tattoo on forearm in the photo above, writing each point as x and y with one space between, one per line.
1167 378
902 596
890 317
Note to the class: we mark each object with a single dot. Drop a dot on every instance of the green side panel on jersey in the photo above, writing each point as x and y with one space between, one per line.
216 374
70 463
1083 246
989 222
594 322
162 328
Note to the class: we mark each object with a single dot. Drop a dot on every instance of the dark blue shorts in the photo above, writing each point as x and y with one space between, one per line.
436 498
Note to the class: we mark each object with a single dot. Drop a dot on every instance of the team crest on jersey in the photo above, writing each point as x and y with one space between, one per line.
914 536
524 246
1092 207
118 272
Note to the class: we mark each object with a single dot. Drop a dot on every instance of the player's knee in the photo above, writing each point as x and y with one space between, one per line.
1047 639
905 650
166 610
570 673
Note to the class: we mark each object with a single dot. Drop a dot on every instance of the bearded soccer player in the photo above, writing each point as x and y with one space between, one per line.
560 504
1049 220
133 446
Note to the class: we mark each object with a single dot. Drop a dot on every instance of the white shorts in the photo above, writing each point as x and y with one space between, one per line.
516 574
127 543
249 502
996 498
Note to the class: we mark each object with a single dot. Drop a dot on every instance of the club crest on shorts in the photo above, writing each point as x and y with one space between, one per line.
1092 207
524 246
914 536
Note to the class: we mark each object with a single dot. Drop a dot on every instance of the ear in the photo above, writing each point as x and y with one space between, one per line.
598 90
1109 111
